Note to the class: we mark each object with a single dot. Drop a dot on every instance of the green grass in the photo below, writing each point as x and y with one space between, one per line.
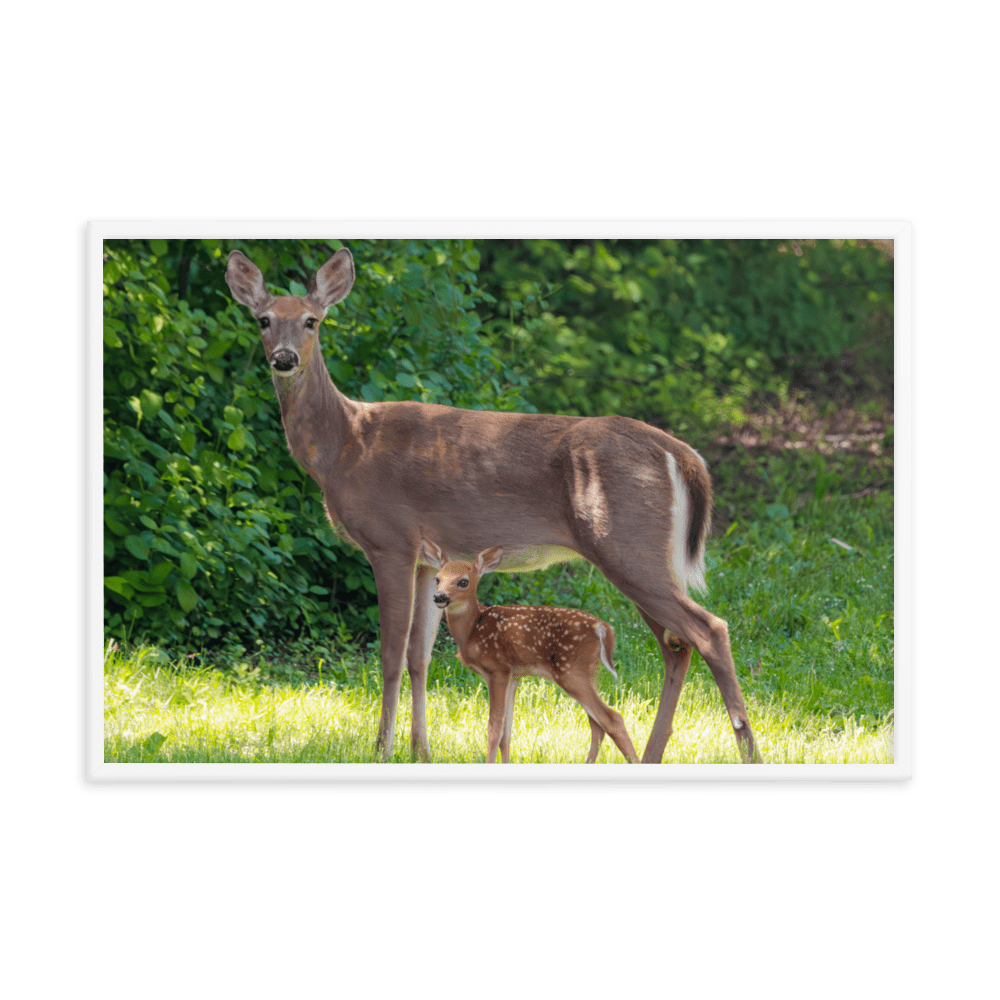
812 633
206 716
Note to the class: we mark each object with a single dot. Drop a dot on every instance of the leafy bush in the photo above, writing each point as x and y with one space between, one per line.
681 333
213 532
214 535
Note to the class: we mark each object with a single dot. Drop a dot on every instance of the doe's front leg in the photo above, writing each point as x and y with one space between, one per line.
395 610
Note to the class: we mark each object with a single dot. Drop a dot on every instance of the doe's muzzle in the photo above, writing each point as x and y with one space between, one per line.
442 600
284 360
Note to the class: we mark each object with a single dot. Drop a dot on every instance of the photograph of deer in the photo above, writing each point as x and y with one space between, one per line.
628 497
504 642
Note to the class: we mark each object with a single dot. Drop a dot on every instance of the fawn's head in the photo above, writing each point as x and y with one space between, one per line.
289 324
455 584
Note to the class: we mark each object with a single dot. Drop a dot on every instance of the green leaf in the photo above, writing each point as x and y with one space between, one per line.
119 586
186 596
116 526
140 579
233 415
150 403
162 545
217 348
187 442
159 247
152 600
160 572
137 547
189 565
237 439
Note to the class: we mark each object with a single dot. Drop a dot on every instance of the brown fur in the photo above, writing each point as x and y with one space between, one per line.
504 643
545 488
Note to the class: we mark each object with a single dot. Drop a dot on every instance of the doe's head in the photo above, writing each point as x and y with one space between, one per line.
289 324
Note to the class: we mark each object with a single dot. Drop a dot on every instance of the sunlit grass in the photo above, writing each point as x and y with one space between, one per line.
807 590
155 712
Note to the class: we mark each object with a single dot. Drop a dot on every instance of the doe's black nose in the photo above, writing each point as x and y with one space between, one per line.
284 360
441 600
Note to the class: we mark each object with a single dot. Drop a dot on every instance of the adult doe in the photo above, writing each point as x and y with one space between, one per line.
505 642
629 498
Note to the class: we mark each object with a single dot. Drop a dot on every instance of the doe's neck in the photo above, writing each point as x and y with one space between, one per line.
316 414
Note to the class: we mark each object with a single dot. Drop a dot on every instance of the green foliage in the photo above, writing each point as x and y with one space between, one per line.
213 534
215 538
682 333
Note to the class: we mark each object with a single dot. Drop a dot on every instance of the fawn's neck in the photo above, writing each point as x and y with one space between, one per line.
462 622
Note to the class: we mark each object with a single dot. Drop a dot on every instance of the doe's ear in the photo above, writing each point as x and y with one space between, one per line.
488 560
333 280
246 282
433 554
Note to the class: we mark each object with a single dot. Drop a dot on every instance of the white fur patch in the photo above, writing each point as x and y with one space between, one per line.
678 524
686 572
605 659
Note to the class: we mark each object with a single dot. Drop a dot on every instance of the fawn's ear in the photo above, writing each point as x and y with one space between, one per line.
333 280
246 282
488 560
433 554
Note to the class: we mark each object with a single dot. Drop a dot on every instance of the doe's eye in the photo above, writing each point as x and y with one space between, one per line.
463 583
310 323
264 322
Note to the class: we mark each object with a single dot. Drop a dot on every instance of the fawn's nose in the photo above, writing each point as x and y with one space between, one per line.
284 359
441 599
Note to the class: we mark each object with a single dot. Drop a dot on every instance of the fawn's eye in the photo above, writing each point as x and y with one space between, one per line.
264 322
310 323
463 583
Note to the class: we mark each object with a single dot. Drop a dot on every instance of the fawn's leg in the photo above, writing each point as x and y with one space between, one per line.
498 684
582 688
508 720
596 737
